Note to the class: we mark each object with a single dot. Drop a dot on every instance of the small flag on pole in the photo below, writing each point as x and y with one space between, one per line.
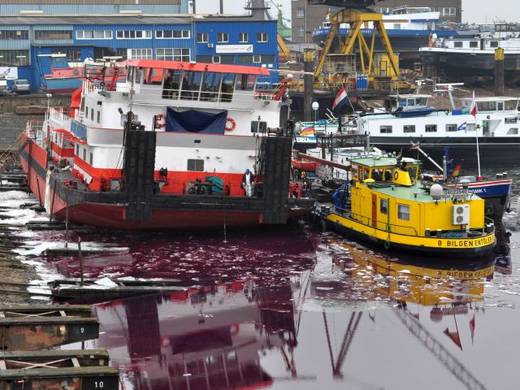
474 110
454 336
341 98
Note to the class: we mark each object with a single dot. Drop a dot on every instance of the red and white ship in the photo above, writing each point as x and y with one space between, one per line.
166 148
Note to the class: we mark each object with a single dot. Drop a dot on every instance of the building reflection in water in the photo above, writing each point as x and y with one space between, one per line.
225 336
207 338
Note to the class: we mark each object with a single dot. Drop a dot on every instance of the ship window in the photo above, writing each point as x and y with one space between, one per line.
385 129
451 127
98 117
91 158
403 212
458 44
397 26
85 154
211 86
511 105
487 106
86 112
228 83
500 106
513 131
383 206
153 76
258 127
493 44
409 128
191 85
246 82
473 44
195 165
431 128
92 115
510 121
171 84
77 150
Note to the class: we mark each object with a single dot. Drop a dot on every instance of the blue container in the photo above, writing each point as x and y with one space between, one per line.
362 82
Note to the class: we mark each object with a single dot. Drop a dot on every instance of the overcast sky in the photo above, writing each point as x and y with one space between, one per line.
473 10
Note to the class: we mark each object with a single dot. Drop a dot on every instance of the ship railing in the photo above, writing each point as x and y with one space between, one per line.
59 118
34 128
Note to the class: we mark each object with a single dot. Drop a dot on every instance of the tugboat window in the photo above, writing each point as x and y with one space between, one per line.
195 165
403 212
383 206
385 129
409 128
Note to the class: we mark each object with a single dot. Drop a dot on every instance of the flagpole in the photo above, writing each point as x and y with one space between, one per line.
474 112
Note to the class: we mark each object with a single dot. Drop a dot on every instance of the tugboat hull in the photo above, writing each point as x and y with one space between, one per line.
434 246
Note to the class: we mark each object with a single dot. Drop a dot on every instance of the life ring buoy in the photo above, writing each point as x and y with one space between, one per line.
231 124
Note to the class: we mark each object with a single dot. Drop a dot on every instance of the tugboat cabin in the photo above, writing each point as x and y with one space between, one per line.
409 105
387 202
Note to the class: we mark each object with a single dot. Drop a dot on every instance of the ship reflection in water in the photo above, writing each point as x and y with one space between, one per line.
355 319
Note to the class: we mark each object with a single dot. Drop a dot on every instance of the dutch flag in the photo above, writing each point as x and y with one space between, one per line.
340 99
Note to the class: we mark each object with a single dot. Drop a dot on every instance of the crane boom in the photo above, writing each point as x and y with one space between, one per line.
439 350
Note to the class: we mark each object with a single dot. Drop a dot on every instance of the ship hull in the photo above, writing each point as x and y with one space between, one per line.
110 209
494 151
467 66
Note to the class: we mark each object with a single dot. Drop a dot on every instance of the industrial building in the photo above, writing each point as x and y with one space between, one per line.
33 33
306 17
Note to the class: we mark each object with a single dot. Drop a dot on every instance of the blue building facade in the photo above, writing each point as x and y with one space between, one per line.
28 44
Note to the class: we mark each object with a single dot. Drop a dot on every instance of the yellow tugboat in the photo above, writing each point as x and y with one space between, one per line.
388 203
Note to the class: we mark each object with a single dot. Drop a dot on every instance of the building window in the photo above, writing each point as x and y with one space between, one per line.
172 34
134 34
261 37
453 11
300 13
215 59
195 165
52 35
94 34
202 38
431 128
383 206
223 37
451 127
403 212
301 31
14 35
257 59
14 57
385 129
243 37
173 54
409 129
140 54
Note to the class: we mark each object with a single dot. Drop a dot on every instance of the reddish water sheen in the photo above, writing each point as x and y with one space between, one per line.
296 310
